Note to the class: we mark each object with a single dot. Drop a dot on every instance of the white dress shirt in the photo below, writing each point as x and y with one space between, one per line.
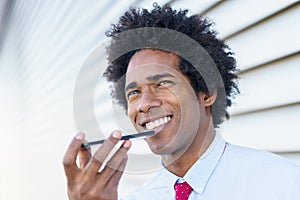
229 172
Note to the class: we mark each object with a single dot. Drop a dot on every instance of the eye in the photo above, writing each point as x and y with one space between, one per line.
164 82
132 93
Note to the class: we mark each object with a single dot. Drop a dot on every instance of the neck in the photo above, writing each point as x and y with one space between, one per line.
179 165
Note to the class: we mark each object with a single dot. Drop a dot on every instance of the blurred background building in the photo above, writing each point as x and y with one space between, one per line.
45 43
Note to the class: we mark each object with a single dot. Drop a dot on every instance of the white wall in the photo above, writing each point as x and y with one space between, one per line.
47 42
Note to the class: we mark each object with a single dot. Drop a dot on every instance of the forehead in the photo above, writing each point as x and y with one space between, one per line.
150 62
152 56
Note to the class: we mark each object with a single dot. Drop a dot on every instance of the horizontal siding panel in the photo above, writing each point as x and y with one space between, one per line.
195 7
243 13
272 39
271 85
274 130
113 12
112 116
148 4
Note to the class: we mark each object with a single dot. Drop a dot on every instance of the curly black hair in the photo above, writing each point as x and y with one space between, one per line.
195 27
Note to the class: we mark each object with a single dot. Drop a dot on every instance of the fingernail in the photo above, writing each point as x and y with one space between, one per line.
127 144
79 136
116 134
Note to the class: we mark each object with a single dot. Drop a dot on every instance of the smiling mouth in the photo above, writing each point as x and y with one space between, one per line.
151 125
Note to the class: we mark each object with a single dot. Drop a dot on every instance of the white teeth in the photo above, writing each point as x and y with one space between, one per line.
161 121
150 126
166 119
158 122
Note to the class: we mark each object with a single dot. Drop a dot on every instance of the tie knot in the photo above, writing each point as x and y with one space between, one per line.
182 190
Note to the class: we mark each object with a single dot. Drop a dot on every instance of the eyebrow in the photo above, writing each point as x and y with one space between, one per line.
130 86
159 76
150 78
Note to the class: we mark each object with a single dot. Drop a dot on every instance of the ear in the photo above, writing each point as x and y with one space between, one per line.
208 99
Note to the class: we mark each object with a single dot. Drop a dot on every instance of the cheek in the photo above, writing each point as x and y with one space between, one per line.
189 108
130 112
186 99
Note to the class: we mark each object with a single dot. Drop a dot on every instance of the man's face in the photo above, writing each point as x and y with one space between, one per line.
160 98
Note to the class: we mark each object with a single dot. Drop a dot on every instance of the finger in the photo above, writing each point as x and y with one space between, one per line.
101 154
113 165
84 157
69 160
115 179
107 191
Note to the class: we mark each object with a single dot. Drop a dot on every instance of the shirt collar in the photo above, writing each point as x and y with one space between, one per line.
199 174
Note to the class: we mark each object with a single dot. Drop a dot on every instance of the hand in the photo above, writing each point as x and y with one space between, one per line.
86 182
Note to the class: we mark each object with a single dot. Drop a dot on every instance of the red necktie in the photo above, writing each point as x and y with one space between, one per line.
183 190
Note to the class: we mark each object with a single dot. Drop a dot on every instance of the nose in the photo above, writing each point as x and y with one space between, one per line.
148 101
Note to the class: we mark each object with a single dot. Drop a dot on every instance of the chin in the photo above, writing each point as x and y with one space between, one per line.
159 148
161 152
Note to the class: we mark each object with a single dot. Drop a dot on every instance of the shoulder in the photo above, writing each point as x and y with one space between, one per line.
261 160
255 155
255 174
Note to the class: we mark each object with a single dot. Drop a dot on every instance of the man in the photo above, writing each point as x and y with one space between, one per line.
184 103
